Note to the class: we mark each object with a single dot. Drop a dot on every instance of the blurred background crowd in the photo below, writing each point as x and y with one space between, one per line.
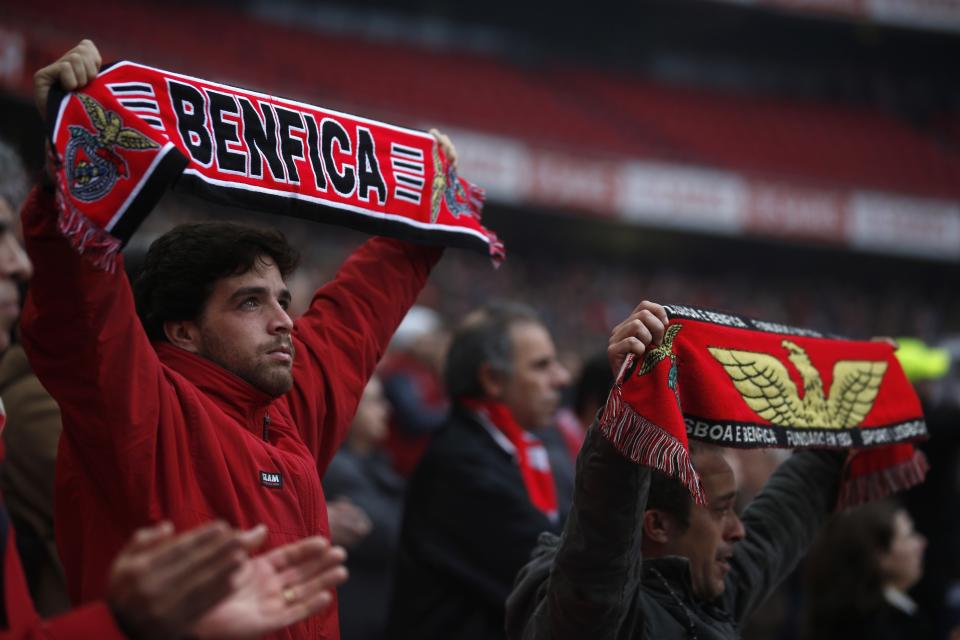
796 162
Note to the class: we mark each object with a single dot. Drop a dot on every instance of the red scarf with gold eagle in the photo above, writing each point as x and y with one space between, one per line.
119 142
737 382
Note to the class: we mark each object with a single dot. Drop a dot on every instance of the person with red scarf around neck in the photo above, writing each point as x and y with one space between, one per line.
484 490
231 411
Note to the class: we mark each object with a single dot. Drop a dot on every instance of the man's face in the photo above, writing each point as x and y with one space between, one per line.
533 391
14 267
708 541
245 328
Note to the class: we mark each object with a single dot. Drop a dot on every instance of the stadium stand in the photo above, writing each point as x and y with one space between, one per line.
555 105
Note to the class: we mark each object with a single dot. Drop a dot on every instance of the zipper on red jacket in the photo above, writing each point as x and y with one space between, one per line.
266 426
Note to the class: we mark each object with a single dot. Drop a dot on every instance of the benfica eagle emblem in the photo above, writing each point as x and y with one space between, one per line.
446 188
765 385
664 350
92 164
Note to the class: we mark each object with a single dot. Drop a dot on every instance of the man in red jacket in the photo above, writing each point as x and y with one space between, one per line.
163 584
218 405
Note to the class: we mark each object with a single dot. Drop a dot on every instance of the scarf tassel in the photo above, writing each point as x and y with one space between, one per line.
475 198
89 240
643 442
858 488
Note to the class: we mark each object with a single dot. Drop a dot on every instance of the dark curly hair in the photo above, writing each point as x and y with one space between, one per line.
182 266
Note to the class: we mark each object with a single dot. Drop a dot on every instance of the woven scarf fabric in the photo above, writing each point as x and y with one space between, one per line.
120 141
530 453
736 382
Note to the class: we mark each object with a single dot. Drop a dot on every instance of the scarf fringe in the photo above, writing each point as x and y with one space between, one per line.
498 253
882 483
89 240
643 442
476 196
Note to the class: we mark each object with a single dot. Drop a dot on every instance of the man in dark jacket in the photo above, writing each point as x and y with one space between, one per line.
484 490
638 559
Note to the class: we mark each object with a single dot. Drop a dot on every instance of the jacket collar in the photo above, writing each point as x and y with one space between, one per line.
480 424
237 397
668 574
675 570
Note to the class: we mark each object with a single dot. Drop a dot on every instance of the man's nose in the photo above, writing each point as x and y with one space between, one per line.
735 530
14 262
281 322
561 376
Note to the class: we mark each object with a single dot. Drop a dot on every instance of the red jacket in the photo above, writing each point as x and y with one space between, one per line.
93 620
20 619
153 432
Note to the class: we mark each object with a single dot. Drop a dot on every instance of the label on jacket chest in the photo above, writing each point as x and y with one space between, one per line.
271 479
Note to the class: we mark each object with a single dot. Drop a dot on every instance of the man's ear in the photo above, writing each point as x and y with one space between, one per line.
492 382
657 526
184 334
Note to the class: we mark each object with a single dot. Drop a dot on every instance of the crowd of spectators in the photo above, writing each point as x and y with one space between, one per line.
441 495
580 300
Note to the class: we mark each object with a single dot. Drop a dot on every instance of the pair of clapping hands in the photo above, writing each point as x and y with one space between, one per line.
203 583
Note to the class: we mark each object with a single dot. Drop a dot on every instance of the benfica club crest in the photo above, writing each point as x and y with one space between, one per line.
447 188
92 164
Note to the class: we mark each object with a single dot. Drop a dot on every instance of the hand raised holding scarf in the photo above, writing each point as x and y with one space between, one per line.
72 71
128 130
643 327
737 382
81 64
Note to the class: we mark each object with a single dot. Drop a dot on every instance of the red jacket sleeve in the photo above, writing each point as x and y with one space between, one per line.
344 333
86 345
91 621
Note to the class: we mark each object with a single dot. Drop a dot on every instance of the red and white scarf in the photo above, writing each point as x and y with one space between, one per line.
529 451
119 142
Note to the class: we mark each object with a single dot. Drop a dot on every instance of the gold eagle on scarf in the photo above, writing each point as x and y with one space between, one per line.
765 385
663 350
110 129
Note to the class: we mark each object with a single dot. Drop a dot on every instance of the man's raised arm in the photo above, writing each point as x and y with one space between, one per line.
80 327
780 525
583 585
345 332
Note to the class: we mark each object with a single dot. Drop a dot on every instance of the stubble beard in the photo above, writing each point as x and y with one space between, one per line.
272 378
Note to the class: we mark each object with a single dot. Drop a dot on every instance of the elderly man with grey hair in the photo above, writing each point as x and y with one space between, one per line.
484 490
